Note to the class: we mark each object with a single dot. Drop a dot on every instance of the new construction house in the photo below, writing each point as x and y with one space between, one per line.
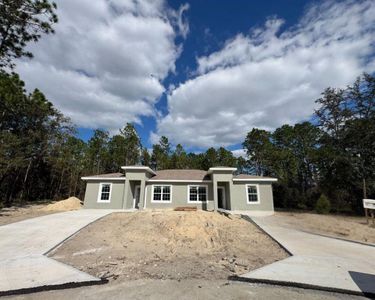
139 187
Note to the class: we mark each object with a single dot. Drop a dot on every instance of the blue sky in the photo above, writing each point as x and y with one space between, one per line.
211 23
203 73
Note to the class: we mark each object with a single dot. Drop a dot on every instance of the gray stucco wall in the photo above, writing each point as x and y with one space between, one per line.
239 197
235 193
92 192
179 196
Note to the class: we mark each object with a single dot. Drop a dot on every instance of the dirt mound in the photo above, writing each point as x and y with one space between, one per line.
71 203
203 232
169 245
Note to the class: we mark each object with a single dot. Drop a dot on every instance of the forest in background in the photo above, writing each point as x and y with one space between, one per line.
41 157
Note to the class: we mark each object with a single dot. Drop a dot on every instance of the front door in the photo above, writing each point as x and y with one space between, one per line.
221 197
137 194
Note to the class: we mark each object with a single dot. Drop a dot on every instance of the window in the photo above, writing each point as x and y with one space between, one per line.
252 193
197 193
105 190
162 193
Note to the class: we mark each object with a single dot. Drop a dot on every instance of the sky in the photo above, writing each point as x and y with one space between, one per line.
202 73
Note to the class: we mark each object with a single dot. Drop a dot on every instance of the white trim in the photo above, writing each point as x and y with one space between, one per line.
161 201
103 178
224 200
247 196
145 168
177 180
99 200
135 193
254 179
198 201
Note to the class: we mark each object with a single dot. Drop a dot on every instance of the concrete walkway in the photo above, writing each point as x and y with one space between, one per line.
23 245
317 262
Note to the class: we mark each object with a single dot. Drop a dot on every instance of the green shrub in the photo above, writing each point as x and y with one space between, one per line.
323 205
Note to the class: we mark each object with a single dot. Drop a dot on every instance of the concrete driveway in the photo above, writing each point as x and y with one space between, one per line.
23 245
317 261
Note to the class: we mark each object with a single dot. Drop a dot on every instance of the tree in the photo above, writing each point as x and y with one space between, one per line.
333 112
22 21
29 131
258 147
116 153
132 145
179 158
225 158
145 157
160 154
209 159
97 152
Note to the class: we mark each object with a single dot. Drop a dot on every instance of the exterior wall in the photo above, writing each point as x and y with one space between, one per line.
235 193
179 196
239 197
134 177
92 192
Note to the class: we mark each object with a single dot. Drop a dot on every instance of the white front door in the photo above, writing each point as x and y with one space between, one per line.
137 193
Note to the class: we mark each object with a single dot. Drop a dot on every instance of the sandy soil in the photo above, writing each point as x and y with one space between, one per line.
351 228
16 214
169 245
72 203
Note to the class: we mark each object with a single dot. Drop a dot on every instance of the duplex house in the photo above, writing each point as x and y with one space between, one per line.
139 187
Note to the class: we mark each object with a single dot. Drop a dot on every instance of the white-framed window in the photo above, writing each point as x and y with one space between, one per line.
161 193
252 194
197 193
105 191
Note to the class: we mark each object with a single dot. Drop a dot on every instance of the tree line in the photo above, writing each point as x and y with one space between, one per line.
41 156
333 155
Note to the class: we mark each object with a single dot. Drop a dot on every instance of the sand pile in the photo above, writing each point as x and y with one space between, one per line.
71 203
194 231
169 245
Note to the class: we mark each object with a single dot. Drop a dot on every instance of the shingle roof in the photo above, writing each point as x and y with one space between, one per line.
186 174
109 175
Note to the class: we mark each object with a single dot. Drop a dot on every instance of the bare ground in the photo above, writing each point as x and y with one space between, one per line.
16 213
28 211
347 227
169 245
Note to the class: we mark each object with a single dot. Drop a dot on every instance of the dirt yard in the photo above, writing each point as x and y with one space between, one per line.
16 214
351 228
169 245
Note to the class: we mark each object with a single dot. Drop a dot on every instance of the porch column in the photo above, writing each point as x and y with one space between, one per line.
142 194
230 186
126 193
214 182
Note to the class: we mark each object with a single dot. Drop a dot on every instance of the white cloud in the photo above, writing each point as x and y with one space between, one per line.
105 64
239 153
266 78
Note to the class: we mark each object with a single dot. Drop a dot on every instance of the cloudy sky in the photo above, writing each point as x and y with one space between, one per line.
203 73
